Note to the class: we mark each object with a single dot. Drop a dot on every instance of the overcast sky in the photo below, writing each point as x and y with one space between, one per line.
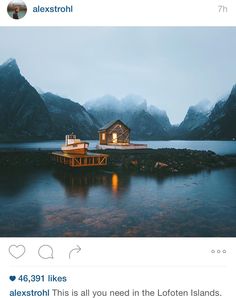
172 68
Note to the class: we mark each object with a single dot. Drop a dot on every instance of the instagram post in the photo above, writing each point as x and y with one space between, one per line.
117 148
118 165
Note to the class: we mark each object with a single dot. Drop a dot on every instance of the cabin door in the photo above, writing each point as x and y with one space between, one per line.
114 137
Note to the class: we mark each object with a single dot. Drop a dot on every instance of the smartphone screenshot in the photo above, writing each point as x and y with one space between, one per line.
117 148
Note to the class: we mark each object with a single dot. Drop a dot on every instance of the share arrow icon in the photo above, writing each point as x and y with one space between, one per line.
74 251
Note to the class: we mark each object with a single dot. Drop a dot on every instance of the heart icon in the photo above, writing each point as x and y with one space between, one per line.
12 278
17 251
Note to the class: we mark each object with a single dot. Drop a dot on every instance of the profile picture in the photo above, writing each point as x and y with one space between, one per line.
17 9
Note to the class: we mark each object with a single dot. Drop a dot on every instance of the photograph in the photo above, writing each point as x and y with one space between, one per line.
117 131
17 9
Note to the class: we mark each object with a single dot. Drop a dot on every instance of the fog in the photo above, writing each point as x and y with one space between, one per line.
172 68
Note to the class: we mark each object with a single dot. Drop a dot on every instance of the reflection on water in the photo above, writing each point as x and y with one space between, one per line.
78 183
114 183
103 203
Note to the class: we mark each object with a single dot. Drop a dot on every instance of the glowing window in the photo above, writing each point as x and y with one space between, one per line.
114 137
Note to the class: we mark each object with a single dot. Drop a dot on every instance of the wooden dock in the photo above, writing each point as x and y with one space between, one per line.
80 160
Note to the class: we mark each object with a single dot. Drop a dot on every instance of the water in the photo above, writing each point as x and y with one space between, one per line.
103 203
219 147
21 14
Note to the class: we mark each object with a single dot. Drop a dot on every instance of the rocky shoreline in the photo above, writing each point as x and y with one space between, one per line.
169 161
153 161
25 159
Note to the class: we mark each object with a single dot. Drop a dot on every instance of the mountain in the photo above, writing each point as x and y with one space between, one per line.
23 114
145 127
147 123
161 117
104 109
133 103
27 115
68 116
221 123
196 117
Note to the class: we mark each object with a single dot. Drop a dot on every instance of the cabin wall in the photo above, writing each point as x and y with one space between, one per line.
122 134
101 141
115 134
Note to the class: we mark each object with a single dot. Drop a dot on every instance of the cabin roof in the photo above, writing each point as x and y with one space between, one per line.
109 124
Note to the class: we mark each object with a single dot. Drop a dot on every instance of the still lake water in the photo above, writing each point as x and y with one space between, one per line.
219 147
53 202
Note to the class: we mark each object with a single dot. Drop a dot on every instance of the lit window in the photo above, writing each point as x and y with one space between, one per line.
114 137
103 136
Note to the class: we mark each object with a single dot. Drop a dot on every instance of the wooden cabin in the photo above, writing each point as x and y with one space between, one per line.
114 133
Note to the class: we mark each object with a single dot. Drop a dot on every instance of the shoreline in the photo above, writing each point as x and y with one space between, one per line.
147 161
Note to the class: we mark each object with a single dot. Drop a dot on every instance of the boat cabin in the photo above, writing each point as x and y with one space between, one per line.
70 139
74 145
114 133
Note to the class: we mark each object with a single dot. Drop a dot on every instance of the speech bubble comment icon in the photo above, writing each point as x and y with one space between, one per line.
45 252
